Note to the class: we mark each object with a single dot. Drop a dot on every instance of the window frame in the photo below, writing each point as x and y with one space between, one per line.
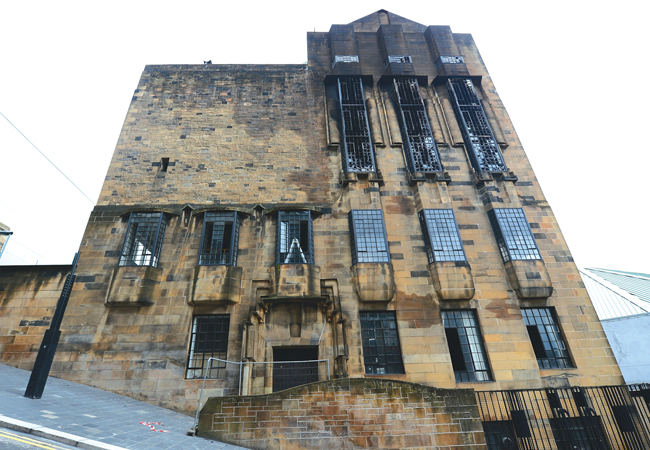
151 259
472 366
220 366
503 232
205 259
306 255
430 237
557 337
384 316
362 136
357 233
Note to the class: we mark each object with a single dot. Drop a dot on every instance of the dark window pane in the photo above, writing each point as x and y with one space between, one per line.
143 241
466 347
209 339
220 239
421 152
295 241
381 351
548 343
357 148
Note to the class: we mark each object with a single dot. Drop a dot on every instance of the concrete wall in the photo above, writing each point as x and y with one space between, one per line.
348 413
628 337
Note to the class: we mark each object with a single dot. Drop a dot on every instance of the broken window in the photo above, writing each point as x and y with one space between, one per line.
209 340
381 350
369 242
441 235
466 347
484 152
295 240
357 147
421 152
219 239
546 338
513 234
143 240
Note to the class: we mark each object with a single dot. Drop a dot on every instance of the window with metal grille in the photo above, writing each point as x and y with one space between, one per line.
357 149
295 240
482 147
397 59
219 239
381 351
143 240
548 344
513 234
421 152
441 235
369 243
466 348
209 339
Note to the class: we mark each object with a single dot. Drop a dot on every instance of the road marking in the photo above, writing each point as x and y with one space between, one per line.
30 441
89 415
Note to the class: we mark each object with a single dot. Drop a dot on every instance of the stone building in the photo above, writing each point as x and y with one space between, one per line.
372 209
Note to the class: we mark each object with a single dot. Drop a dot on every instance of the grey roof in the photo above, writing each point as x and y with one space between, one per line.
615 293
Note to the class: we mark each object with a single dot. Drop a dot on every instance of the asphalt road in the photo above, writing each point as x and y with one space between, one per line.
15 440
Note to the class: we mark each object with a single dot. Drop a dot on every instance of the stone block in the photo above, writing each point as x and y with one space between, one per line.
213 285
374 282
452 280
133 286
296 280
529 278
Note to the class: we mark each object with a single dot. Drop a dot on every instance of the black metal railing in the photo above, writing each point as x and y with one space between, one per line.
576 418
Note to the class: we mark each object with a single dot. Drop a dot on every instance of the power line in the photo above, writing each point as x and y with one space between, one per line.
48 159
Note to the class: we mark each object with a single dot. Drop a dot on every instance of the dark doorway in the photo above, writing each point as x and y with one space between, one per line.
288 372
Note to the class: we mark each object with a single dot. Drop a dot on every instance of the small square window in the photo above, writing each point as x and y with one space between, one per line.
219 239
143 240
295 240
441 235
209 339
369 243
468 357
513 233
381 350
545 336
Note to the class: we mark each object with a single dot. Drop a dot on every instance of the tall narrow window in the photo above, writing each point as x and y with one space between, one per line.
369 243
546 338
482 147
381 351
466 347
143 240
220 239
357 148
295 240
209 339
513 234
441 235
421 152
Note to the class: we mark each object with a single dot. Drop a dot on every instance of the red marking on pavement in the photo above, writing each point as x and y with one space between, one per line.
152 427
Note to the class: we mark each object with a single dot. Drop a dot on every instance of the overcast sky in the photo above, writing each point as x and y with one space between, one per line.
571 75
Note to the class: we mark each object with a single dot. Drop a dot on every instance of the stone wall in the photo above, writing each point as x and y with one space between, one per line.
28 297
348 413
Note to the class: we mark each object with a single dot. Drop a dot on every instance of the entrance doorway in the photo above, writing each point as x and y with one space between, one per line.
288 371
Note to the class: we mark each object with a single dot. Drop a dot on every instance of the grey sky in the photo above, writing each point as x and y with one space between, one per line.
569 73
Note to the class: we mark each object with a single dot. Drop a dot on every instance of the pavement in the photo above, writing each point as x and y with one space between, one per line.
89 418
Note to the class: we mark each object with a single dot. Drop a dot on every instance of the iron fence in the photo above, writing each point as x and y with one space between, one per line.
576 418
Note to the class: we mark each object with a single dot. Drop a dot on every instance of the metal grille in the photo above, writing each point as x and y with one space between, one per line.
381 352
484 151
449 60
421 152
397 59
441 235
209 340
357 147
513 234
219 239
295 241
576 418
466 346
369 243
545 335
143 240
